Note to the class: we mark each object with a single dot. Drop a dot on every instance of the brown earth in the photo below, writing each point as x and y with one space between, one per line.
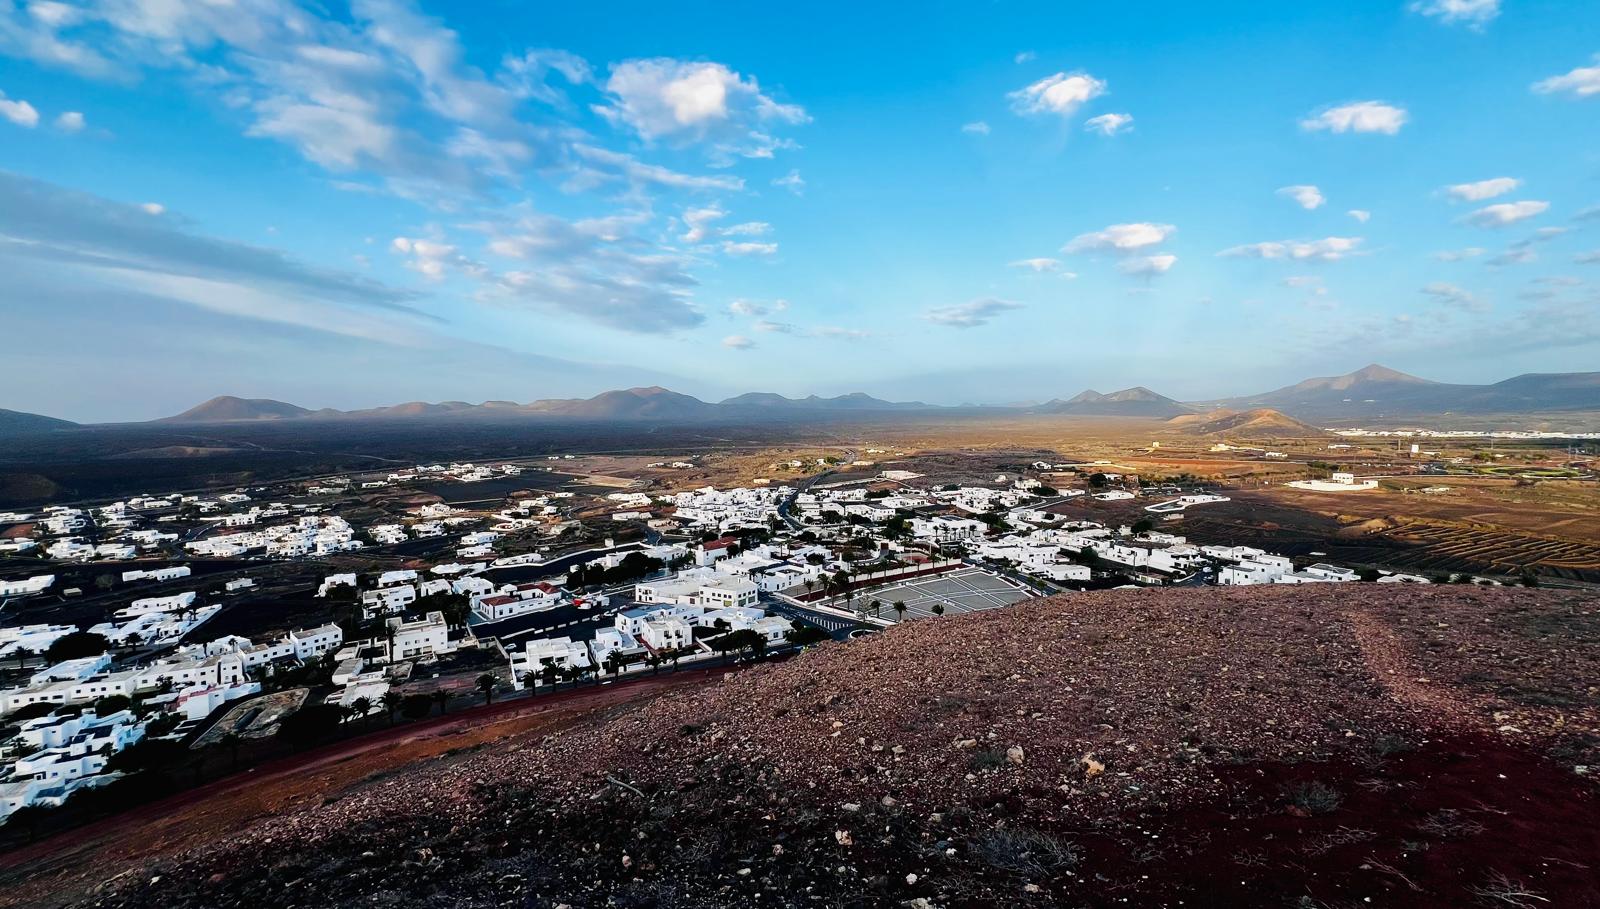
1330 745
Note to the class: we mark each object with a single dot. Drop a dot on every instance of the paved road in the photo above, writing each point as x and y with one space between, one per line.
807 483
832 624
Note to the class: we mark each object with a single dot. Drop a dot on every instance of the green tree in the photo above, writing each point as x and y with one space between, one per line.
231 742
802 635
486 685
26 818
416 706
77 645
391 703
112 703
308 725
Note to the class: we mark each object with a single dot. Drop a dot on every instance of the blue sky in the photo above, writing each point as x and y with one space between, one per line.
366 203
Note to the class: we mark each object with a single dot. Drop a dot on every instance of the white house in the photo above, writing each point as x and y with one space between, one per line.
428 636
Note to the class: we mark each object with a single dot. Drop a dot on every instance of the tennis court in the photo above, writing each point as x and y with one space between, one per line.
966 590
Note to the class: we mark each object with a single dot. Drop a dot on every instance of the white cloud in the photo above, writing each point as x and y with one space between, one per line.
662 98
1109 124
1454 297
1522 251
971 314
1506 213
1588 258
1482 189
1061 94
836 333
434 258
70 122
1460 255
1148 266
1026 56
743 307
1360 214
773 327
1512 255
627 167
1473 13
975 128
88 245
1328 249
1306 196
738 342
153 208
697 222
1120 238
19 112
1582 81
1038 265
792 182
747 229
733 248
1357 117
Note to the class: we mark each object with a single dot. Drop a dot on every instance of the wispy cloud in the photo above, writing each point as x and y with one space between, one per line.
1328 249
1473 13
1357 117
1482 189
19 112
1504 214
1306 196
971 314
1036 265
1120 238
1109 124
1148 266
1580 82
1059 95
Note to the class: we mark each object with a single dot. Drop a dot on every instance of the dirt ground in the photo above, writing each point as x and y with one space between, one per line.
1320 746
63 864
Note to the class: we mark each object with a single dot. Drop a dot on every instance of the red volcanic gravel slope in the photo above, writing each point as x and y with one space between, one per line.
1305 746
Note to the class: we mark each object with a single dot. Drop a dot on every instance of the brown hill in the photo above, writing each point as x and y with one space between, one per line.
1261 423
1129 402
229 409
1210 747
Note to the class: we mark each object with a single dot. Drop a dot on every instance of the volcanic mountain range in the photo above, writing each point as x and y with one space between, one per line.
1374 392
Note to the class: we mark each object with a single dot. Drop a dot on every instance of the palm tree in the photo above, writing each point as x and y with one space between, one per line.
900 609
876 606
655 662
361 707
441 697
391 703
232 741
937 609
27 816
811 585
486 684
550 672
